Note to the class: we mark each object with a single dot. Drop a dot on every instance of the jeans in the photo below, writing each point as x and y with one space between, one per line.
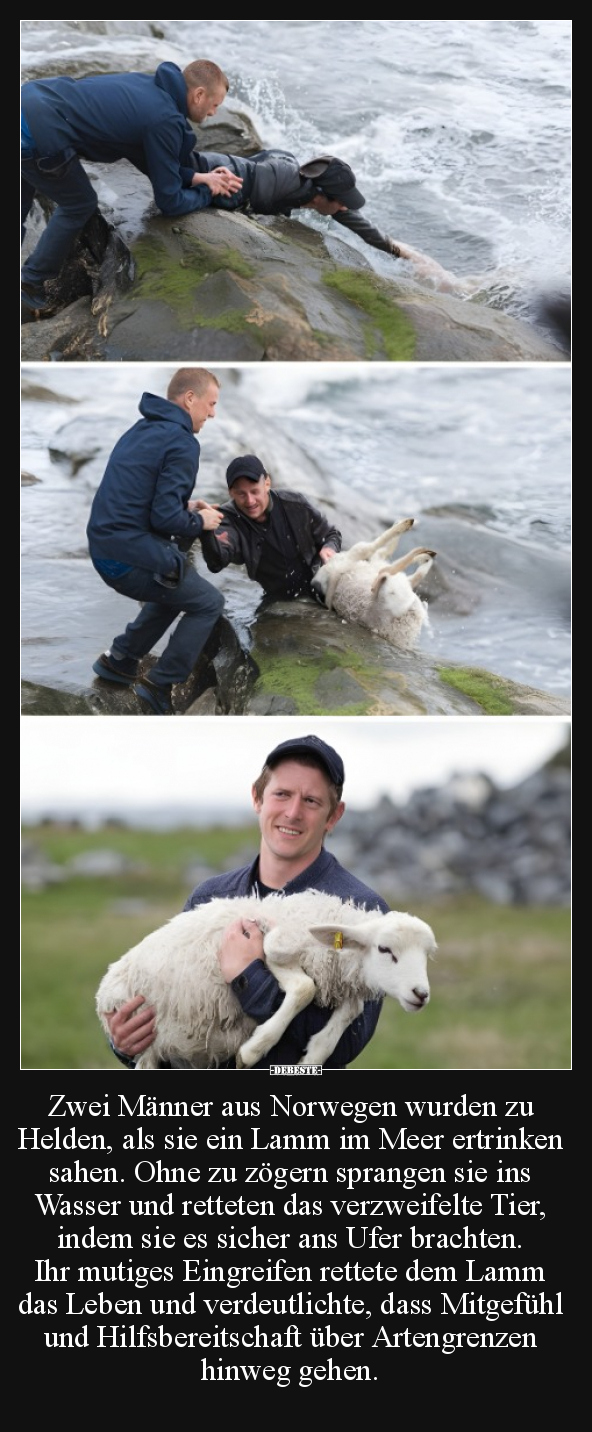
201 604
62 179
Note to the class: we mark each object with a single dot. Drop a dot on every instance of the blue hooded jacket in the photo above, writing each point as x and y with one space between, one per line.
139 512
141 118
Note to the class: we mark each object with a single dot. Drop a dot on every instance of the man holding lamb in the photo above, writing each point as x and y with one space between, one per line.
298 800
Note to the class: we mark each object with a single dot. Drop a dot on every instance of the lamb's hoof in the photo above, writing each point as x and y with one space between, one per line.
247 1057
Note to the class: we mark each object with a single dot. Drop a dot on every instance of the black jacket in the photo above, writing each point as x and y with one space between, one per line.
273 184
246 538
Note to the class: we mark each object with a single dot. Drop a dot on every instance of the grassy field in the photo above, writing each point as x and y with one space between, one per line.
500 981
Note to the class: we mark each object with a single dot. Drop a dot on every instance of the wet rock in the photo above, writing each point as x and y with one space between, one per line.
205 705
298 658
38 700
100 265
41 393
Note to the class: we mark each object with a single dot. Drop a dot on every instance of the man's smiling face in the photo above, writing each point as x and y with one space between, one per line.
295 812
251 497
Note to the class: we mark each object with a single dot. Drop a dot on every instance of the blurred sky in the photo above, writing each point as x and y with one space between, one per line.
83 765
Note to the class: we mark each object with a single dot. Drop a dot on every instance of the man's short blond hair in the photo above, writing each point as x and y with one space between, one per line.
204 74
194 380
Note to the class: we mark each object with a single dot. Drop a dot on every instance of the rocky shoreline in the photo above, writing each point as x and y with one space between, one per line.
217 286
304 661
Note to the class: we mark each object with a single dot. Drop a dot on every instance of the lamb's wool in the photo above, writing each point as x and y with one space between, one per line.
394 611
199 1019
361 588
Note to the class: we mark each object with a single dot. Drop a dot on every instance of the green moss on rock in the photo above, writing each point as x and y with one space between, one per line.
492 693
368 292
298 680
176 281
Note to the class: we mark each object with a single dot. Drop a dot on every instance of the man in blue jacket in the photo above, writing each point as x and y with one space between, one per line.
298 800
143 520
103 118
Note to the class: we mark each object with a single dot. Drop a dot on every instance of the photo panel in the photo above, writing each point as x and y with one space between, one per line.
461 825
449 487
236 208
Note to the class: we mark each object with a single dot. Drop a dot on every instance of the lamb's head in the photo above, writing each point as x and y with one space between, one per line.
394 950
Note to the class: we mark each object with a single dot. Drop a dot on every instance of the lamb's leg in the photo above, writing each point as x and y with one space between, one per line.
363 552
322 1044
389 540
299 991
400 565
427 267
422 571
146 1060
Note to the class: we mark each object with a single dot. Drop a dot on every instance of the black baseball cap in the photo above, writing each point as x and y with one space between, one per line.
335 179
310 746
247 466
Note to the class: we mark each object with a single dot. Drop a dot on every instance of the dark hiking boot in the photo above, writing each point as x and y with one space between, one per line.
154 700
123 672
35 304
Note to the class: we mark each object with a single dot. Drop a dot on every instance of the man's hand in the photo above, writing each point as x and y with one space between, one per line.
211 516
326 553
132 1027
219 181
242 942
397 251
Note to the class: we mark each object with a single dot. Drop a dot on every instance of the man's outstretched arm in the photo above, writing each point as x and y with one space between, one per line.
358 225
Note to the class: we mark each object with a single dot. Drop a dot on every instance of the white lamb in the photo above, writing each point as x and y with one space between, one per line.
359 587
318 946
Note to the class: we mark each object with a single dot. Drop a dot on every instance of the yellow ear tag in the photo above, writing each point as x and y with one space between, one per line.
338 940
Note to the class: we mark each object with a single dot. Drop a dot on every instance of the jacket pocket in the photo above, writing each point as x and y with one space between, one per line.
57 163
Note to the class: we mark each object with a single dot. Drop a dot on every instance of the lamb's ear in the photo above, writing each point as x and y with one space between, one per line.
336 936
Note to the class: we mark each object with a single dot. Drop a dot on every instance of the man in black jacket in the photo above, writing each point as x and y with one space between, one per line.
277 535
276 182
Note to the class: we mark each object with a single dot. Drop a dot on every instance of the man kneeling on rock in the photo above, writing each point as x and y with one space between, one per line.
278 535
